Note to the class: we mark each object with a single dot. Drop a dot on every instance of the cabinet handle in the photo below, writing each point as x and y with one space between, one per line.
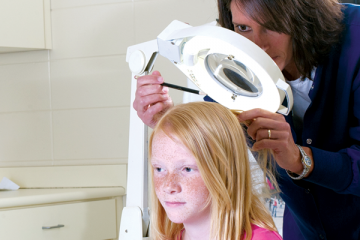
58 226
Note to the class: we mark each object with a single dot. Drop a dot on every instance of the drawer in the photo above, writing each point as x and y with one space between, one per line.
94 220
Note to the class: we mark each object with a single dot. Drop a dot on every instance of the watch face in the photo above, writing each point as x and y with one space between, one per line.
307 161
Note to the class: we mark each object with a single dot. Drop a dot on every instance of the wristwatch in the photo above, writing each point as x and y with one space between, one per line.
306 162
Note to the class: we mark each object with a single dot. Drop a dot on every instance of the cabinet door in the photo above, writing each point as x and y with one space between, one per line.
92 220
24 25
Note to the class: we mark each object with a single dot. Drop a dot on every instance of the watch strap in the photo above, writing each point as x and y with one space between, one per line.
304 156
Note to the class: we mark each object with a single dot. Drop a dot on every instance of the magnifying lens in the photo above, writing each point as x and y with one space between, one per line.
233 75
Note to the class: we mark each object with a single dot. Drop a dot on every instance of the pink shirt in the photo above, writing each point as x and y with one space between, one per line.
258 233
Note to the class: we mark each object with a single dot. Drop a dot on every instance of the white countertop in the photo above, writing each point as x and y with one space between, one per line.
26 197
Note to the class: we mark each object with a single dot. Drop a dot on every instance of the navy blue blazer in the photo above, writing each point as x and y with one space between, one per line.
326 205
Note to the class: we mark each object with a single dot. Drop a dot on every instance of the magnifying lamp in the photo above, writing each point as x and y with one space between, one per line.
228 67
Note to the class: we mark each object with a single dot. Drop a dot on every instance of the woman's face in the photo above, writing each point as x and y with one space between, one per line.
177 181
277 45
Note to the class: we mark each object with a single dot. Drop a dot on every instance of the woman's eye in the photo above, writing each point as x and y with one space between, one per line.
243 28
159 169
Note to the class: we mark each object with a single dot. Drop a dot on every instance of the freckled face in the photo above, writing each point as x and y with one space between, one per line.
177 180
277 45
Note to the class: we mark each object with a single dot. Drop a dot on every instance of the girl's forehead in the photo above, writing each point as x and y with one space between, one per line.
169 148
163 139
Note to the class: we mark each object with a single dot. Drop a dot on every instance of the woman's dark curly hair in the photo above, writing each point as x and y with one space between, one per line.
314 25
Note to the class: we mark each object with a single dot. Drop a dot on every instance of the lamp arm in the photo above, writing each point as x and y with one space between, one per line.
135 217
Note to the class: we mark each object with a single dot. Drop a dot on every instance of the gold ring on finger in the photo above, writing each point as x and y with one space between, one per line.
269 133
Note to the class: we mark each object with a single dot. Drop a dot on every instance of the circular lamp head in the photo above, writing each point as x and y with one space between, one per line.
232 70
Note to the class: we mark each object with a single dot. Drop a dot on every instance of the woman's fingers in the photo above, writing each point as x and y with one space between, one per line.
154 112
258 112
266 124
151 89
270 134
151 99
271 139
144 102
274 144
154 78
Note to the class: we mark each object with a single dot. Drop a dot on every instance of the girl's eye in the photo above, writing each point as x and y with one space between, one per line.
243 28
187 169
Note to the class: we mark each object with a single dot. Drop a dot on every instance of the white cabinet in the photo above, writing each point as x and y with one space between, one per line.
93 220
60 214
24 25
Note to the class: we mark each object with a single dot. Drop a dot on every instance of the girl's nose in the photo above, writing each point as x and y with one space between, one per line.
171 184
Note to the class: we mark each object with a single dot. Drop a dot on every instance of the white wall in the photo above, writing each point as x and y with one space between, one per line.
70 105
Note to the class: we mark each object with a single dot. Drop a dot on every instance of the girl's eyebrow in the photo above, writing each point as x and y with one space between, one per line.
155 161
187 165
180 162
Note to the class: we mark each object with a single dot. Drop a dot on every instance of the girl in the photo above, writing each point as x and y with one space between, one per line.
202 186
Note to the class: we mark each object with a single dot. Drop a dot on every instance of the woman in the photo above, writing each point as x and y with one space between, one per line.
202 186
316 45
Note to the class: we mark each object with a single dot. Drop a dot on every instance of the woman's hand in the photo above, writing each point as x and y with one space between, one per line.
279 139
151 100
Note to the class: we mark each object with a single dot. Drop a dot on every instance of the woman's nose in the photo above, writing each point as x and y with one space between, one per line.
260 38
171 184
